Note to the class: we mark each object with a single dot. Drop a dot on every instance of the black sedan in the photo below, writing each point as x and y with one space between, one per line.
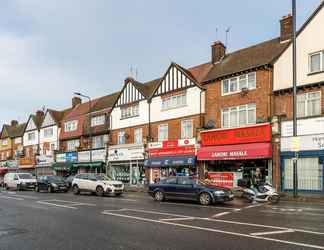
51 183
186 188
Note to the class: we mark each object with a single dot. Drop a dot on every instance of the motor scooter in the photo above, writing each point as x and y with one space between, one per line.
261 193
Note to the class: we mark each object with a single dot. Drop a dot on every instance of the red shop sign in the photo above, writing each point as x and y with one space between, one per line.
257 133
172 151
221 179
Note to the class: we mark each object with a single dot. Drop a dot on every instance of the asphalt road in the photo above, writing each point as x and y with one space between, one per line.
32 221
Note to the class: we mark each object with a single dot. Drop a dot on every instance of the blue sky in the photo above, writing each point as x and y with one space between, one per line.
50 49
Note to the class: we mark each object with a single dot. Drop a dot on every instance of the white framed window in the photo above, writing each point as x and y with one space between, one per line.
31 136
18 140
316 62
138 135
239 116
98 141
175 101
4 142
163 132
70 126
121 137
129 111
236 84
48 132
186 129
72 145
97 120
309 104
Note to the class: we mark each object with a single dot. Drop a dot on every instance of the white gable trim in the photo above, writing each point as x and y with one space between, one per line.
31 125
130 94
48 120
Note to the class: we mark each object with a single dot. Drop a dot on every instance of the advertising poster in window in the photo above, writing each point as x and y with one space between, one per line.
221 179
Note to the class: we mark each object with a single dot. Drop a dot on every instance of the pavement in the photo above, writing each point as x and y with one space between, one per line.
32 221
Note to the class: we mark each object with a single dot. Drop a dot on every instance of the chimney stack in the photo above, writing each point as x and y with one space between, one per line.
76 101
39 113
286 28
218 51
14 123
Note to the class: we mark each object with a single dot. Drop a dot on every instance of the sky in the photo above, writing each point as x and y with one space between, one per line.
51 49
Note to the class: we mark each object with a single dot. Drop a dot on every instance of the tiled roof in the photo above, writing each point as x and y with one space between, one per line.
13 131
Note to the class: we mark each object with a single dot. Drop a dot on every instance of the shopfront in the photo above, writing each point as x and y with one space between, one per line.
171 158
310 155
93 164
227 155
126 164
44 165
63 165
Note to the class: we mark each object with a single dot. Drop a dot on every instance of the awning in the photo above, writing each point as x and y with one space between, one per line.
97 164
62 166
170 161
236 152
3 170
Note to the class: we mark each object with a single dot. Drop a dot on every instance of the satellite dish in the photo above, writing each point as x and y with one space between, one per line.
210 124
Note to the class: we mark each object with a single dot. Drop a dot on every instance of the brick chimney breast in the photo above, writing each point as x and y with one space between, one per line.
76 101
286 28
14 123
218 51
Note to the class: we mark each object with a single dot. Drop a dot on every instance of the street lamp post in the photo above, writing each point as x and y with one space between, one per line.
295 173
90 132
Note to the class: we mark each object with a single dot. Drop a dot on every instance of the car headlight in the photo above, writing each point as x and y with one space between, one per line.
219 192
54 185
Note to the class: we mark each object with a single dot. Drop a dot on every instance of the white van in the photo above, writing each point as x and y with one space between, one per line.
19 181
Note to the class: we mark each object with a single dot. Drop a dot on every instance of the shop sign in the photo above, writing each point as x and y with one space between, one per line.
172 151
97 155
309 126
173 143
257 133
67 157
60 157
10 164
126 154
221 179
170 161
307 142
44 159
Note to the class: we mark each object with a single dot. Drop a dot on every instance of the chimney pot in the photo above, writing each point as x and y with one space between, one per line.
76 101
14 123
286 28
218 51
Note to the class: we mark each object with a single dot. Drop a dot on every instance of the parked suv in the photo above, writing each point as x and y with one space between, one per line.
19 181
96 183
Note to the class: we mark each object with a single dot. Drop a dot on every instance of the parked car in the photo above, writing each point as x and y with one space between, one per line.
96 183
69 180
51 183
19 181
187 188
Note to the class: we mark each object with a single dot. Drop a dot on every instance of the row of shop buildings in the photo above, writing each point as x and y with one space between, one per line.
219 120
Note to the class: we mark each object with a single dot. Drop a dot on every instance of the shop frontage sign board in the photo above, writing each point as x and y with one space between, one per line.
173 143
44 159
309 126
221 179
170 161
172 151
97 155
250 134
126 154
307 142
67 157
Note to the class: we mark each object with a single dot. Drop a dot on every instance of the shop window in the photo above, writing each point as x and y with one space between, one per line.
309 104
186 129
138 135
236 84
316 61
121 137
129 111
239 116
72 145
163 132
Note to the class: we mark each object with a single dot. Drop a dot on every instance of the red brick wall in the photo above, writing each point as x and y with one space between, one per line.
261 96
130 132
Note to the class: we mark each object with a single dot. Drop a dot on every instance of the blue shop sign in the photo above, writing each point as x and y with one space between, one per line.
71 157
170 161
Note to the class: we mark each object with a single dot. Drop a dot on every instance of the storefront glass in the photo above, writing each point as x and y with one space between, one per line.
129 173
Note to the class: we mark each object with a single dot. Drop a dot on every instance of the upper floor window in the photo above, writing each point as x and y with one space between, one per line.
97 120
236 84
129 111
316 62
98 141
121 137
18 140
48 132
239 116
4 142
163 132
31 136
72 145
309 104
70 126
138 135
186 129
174 101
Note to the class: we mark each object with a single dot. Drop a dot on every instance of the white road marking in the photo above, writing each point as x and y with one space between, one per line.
273 232
216 230
125 199
175 219
13 198
220 214
26 196
197 206
72 203
252 206
54 204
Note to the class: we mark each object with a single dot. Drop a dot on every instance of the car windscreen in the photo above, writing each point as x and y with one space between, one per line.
55 178
25 176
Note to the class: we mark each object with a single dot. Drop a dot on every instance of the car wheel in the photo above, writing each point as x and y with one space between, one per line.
204 199
76 190
6 186
50 189
36 189
159 196
99 191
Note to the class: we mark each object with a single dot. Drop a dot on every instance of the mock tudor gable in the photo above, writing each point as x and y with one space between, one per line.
30 124
130 93
48 120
